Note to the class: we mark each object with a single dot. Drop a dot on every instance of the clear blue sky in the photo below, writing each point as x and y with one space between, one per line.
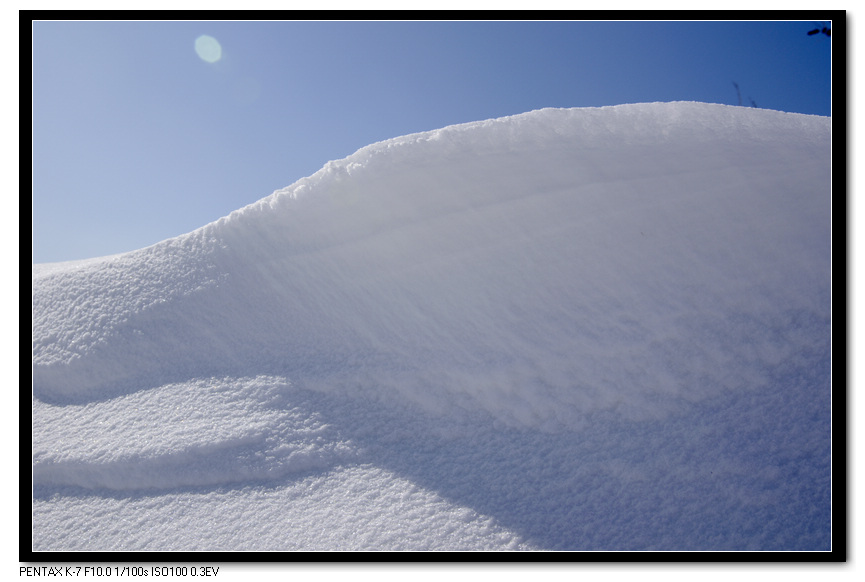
137 138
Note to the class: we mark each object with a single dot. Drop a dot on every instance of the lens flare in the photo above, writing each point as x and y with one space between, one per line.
208 48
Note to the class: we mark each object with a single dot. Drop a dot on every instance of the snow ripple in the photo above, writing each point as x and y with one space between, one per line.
201 433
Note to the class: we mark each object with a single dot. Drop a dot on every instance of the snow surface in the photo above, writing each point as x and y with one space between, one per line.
571 329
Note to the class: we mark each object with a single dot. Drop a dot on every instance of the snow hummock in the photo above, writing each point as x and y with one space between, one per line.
571 329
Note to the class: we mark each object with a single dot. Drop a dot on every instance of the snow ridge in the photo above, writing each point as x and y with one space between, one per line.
502 255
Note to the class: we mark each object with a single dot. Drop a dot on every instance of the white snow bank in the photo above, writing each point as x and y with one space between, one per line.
538 267
499 311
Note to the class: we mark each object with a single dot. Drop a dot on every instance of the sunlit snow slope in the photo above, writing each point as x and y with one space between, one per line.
600 328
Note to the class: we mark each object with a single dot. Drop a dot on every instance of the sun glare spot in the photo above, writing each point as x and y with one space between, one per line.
208 48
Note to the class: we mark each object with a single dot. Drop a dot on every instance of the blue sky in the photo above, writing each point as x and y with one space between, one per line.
136 138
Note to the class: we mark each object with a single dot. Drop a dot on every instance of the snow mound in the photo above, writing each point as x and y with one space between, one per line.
535 268
571 329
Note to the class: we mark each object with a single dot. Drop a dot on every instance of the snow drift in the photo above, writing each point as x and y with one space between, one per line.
511 283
